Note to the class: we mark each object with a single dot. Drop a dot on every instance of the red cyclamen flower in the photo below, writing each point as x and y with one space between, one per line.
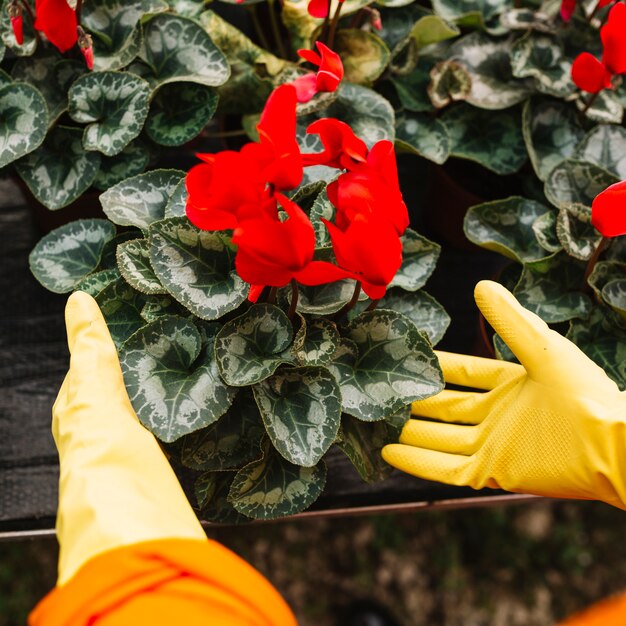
318 8
17 23
569 6
327 77
342 148
608 210
57 21
592 75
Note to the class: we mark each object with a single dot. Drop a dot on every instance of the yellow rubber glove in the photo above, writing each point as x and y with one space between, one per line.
115 482
553 426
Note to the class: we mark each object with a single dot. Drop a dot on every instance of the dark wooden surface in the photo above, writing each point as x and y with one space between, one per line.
33 360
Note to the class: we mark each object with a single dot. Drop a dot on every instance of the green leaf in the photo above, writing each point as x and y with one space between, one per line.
614 294
398 23
176 205
457 10
178 49
325 299
109 253
250 347
544 228
121 307
551 289
384 364
492 138
141 200
488 63
132 160
412 88
29 45
160 305
362 442
197 267
301 410
133 259
188 8
540 57
552 131
528 19
603 342
575 232
321 339
172 378
419 258
204 488
63 257
449 82
272 487
365 55
179 111
114 25
60 170
321 208
299 23
576 182
603 273
231 442
96 282
113 104
423 135
218 509
605 145
606 108
432 29
23 121
506 226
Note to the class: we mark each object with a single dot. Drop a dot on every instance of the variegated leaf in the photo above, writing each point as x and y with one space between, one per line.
603 273
301 410
432 29
172 379
457 10
94 283
60 170
232 442
218 509
544 228
450 82
606 108
412 88
23 121
272 487
384 364
250 347
113 104
419 258
160 305
605 145
320 341
575 232
423 135
175 206
365 55
614 294
197 267
506 226
63 258
133 260
179 111
132 160
552 131
141 200
178 49
325 299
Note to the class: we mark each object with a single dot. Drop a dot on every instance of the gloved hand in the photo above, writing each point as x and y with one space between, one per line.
115 483
553 426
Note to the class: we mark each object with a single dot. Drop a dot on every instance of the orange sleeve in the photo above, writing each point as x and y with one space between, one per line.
165 582
609 612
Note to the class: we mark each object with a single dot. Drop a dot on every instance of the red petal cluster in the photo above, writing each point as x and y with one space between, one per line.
592 75
608 210
275 238
327 77
57 21
17 23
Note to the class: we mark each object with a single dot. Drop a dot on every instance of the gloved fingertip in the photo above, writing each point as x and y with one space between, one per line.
81 313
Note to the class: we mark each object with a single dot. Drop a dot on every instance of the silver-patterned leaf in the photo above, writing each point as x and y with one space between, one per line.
250 348
456 10
179 111
113 104
492 138
141 200
544 228
63 257
172 379
575 232
606 108
605 145
133 260
412 88
552 289
132 160
576 182
175 206
23 121
325 299
506 226
450 82
423 135
321 339
96 282
614 294
552 132
488 62
178 49
233 441
419 258
301 410
160 305
197 267
322 208
60 170
365 55
603 273
385 364
121 307
272 487
218 509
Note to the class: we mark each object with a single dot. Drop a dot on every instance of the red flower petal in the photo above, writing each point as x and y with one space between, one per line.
589 74
613 35
567 9
342 148
58 23
17 24
608 211
321 273
306 87
318 8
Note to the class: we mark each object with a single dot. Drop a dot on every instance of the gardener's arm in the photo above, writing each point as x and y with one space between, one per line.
553 426
131 548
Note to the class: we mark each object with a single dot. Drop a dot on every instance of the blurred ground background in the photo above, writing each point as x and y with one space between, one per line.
522 565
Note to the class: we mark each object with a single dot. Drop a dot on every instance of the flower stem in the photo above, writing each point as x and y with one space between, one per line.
276 29
592 262
589 104
225 133
349 305
373 304
271 298
29 11
294 299
258 28
325 25
333 25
